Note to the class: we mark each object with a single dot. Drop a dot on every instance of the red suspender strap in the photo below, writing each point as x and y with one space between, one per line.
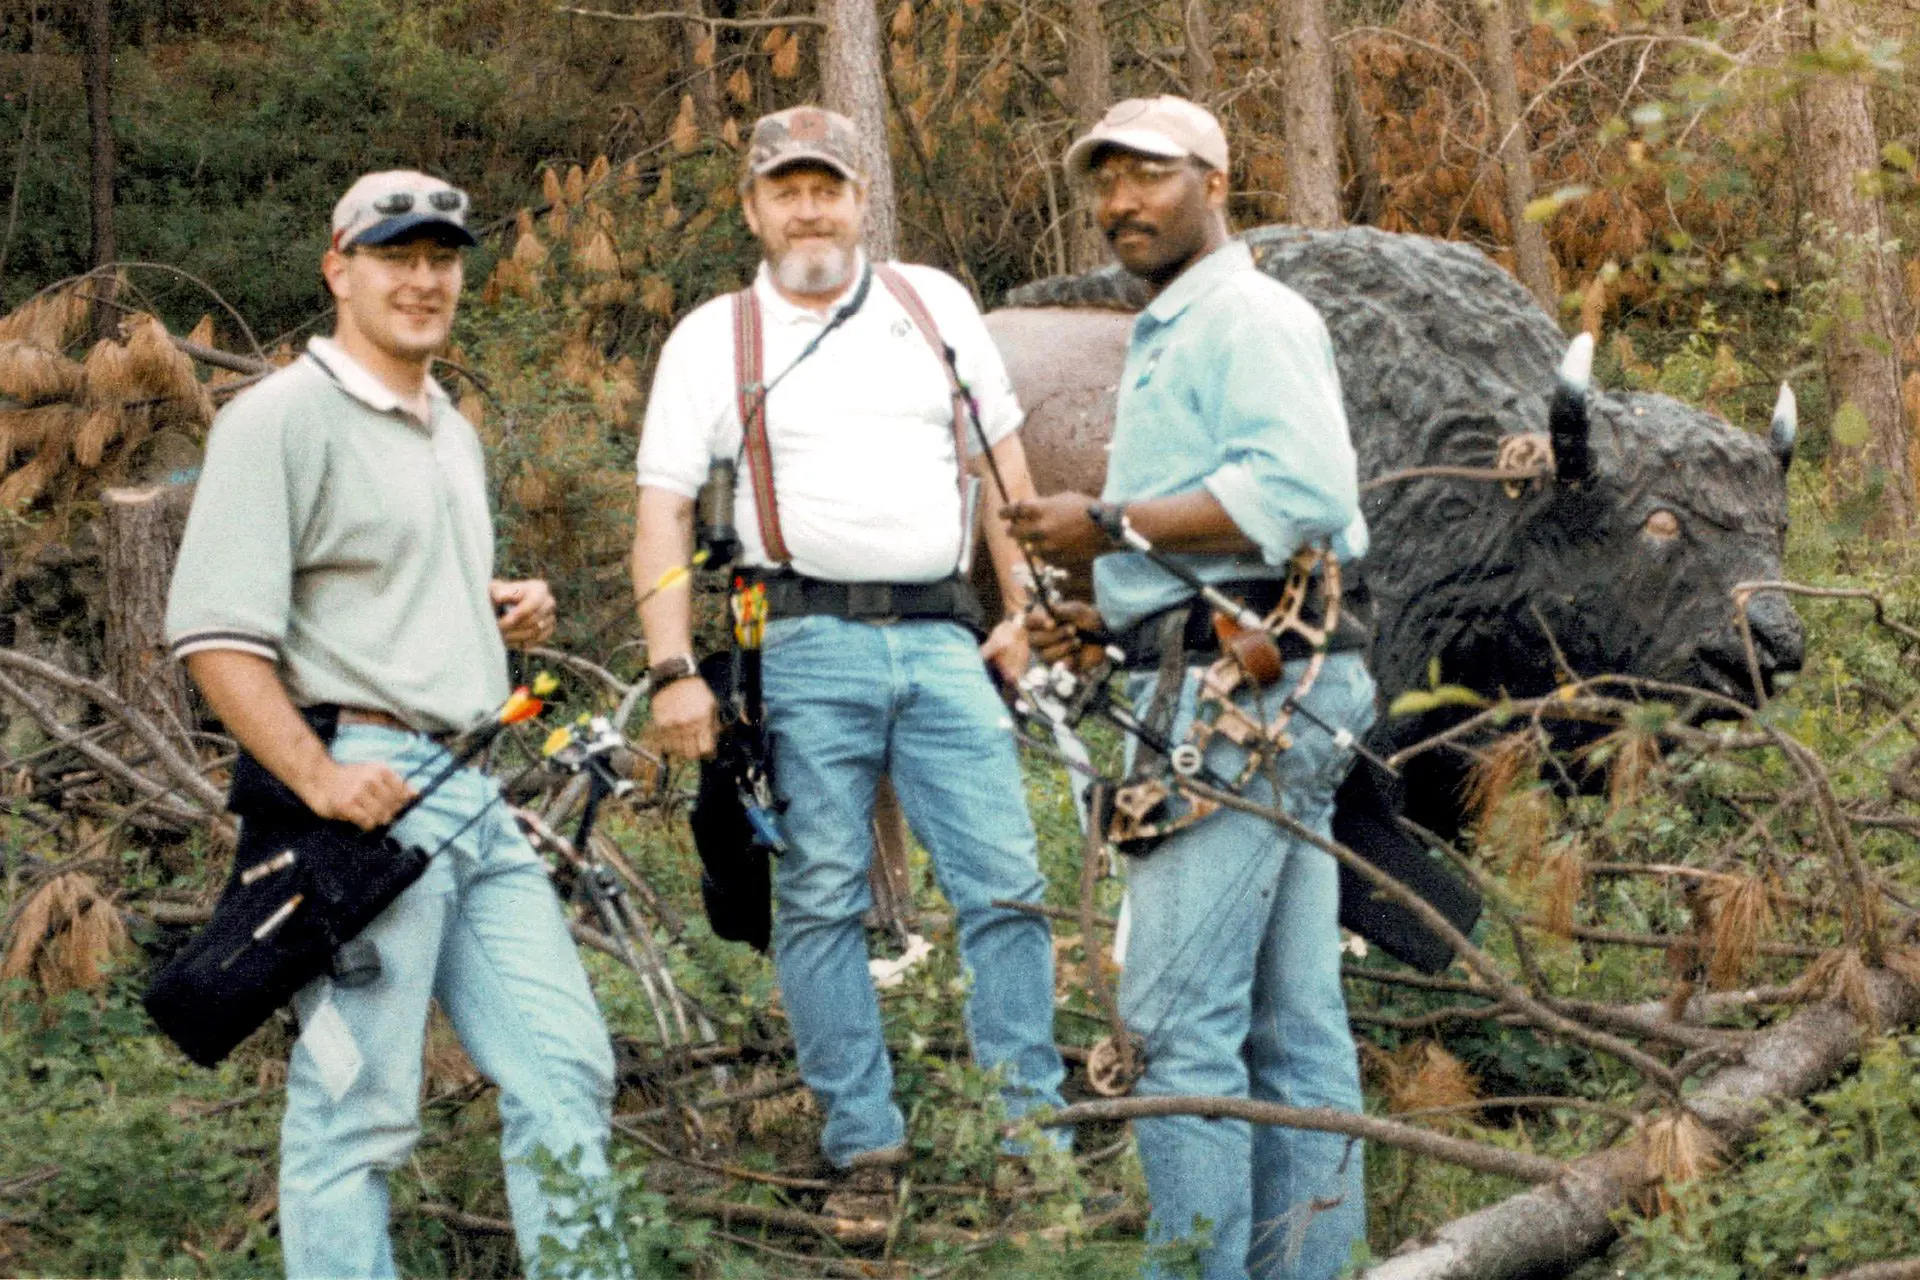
749 360
916 310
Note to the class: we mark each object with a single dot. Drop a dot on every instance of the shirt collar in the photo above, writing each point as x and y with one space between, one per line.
357 381
778 309
1200 279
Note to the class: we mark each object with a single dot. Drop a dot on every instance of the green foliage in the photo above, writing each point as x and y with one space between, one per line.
1827 1185
232 150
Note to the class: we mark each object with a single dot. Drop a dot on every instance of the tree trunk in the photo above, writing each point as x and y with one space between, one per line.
851 83
1553 1227
1089 94
1531 261
694 37
1838 148
99 78
136 544
1313 152
1198 21
1363 163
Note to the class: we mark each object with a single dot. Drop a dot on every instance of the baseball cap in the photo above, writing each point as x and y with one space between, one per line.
804 133
1168 127
382 207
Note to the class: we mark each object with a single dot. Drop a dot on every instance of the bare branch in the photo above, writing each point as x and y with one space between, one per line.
1481 1156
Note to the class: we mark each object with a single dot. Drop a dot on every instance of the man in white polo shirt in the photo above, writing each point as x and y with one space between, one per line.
340 553
854 513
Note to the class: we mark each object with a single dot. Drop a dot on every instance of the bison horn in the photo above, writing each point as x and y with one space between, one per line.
1567 415
1786 425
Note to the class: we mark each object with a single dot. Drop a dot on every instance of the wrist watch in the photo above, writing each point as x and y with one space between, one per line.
1111 519
680 666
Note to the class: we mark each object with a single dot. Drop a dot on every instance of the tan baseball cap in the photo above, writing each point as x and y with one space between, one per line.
382 207
804 133
1168 127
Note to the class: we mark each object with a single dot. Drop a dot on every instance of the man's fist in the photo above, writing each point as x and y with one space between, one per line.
367 795
526 610
686 720
1061 632
1006 650
1057 528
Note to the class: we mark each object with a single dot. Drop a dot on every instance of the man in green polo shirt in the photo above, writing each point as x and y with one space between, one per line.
340 551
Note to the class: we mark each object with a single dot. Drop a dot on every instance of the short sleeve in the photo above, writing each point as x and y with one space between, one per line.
233 580
1288 471
686 407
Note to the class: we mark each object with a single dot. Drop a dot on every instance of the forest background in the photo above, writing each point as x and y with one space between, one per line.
1721 192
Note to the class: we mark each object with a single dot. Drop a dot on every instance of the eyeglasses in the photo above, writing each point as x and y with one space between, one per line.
1137 171
440 199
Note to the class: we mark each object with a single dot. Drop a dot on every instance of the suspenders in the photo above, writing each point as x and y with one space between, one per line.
749 360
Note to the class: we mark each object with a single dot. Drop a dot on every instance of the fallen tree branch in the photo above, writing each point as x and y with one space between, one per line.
1551 1228
166 799
1483 965
741 24
1902 1269
850 1231
1480 1156
185 773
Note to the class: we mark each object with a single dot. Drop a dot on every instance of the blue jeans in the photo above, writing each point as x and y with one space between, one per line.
847 702
1233 977
482 932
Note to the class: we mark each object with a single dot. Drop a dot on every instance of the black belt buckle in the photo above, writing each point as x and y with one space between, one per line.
871 602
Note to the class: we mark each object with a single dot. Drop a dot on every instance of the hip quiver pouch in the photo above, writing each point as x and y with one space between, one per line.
301 886
736 867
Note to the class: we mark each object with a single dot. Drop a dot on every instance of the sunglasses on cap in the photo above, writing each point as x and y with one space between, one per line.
440 200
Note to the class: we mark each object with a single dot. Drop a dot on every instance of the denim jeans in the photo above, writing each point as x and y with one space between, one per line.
1233 977
482 932
847 702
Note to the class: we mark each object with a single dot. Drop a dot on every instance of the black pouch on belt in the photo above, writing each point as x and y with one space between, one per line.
732 832
301 888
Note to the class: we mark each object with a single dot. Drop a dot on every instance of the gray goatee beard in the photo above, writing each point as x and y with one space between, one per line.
814 272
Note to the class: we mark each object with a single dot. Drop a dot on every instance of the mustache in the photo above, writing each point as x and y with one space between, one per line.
1120 228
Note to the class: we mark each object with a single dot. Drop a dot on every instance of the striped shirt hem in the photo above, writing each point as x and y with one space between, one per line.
242 641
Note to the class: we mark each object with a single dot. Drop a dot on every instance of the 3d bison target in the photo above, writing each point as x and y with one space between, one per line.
1622 562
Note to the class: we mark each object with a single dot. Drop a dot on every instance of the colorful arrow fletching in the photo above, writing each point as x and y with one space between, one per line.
520 707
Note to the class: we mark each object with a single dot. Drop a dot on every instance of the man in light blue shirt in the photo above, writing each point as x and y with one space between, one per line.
1231 452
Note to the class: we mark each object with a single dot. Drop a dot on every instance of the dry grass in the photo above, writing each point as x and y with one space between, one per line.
100 411
1515 833
66 937
1842 975
55 321
33 374
1501 767
446 1068
1742 915
23 429
1630 756
1424 1075
1678 1148
1561 882
788 1114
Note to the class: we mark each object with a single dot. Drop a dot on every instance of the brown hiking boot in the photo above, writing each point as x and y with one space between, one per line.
869 1185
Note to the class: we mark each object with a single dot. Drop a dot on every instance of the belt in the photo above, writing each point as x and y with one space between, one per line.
791 595
387 720
1141 644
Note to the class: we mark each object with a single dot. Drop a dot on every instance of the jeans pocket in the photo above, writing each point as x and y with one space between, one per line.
784 633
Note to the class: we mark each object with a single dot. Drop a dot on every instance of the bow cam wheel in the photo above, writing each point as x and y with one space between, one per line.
1115 1064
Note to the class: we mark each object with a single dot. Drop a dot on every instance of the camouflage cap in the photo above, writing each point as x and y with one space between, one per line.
804 133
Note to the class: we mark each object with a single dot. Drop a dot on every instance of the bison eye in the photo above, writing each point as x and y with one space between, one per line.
1663 525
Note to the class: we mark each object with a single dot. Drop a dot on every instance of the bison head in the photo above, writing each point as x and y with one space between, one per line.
1624 562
